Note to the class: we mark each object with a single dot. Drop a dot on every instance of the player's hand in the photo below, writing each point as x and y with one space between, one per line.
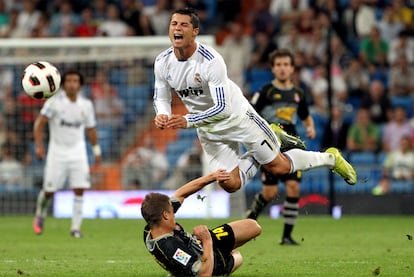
221 175
161 121
202 233
40 152
177 121
310 132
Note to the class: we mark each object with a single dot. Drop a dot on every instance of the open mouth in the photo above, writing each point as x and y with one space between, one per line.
178 37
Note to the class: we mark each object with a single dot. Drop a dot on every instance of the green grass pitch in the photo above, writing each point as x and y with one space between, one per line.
351 246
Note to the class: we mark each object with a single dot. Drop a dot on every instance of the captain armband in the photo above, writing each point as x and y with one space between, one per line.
96 149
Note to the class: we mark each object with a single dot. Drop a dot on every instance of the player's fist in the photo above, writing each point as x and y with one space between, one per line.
161 121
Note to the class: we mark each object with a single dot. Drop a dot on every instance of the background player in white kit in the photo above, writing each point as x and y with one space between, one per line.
68 115
222 115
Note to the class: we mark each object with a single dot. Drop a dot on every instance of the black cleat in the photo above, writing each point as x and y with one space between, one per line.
250 214
288 241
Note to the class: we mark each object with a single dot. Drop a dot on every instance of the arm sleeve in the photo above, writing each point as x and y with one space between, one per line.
162 92
303 109
220 93
91 119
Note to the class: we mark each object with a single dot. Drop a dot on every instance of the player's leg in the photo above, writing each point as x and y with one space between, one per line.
79 180
245 230
54 177
226 155
290 207
261 199
238 260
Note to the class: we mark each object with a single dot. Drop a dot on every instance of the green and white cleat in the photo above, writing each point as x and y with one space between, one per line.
287 141
342 167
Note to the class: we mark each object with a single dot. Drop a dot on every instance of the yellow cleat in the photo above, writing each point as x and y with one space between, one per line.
287 141
342 167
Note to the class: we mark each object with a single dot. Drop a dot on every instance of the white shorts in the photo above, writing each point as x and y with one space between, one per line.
57 172
223 148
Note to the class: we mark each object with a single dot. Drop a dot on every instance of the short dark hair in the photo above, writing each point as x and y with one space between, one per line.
195 20
72 72
153 206
281 53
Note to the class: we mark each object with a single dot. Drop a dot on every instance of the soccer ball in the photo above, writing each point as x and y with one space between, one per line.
41 80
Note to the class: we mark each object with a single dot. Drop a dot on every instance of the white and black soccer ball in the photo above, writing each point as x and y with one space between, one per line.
41 80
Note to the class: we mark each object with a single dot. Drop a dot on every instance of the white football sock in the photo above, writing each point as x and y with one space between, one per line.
42 204
77 213
305 160
247 168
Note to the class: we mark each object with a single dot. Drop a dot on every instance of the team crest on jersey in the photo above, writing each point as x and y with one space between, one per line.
296 97
197 78
181 256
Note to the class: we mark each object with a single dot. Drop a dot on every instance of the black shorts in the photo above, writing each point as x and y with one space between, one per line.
223 244
269 179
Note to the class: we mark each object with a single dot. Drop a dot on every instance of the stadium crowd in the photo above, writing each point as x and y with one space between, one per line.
369 45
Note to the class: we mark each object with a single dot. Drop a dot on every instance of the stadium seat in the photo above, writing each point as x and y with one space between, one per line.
403 101
363 158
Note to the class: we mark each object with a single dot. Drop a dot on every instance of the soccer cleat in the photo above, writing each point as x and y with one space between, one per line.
76 234
38 225
342 167
288 241
287 141
250 214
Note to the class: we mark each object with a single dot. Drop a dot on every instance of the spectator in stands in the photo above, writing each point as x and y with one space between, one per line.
262 21
4 15
373 49
109 109
403 44
341 56
319 89
388 25
87 26
401 82
42 29
358 20
316 46
146 165
291 39
11 170
236 50
11 30
398 166
263 46
133 15
201 8
99 8
64 22
402 13
357 80
189 167
377 102
363 134
100 85
288 12
159 17
398 127
27 18
336 129
3 130
113 26
6 84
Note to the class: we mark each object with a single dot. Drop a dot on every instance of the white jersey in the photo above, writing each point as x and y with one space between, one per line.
214 102
67 123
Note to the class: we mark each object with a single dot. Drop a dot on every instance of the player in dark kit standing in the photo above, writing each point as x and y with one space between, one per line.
204 252
280 102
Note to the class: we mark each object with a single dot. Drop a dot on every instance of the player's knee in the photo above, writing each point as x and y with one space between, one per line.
230 187
254 227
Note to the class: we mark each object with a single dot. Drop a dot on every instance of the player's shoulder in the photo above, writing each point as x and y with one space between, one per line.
164 55
207 52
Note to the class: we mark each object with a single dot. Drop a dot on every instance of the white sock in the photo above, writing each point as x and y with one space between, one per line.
305 160
247 168
77 213
42 204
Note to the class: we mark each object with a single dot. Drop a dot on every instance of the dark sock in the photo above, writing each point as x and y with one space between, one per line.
259 203
290 213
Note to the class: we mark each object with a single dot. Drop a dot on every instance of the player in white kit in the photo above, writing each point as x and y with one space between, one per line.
222 115
68 115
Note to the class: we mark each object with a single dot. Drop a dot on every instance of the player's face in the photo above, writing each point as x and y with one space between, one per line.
72 84
181 31
282 68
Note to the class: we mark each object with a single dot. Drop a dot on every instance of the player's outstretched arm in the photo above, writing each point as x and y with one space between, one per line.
199 183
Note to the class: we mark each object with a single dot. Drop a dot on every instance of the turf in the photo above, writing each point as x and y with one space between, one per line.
351 246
